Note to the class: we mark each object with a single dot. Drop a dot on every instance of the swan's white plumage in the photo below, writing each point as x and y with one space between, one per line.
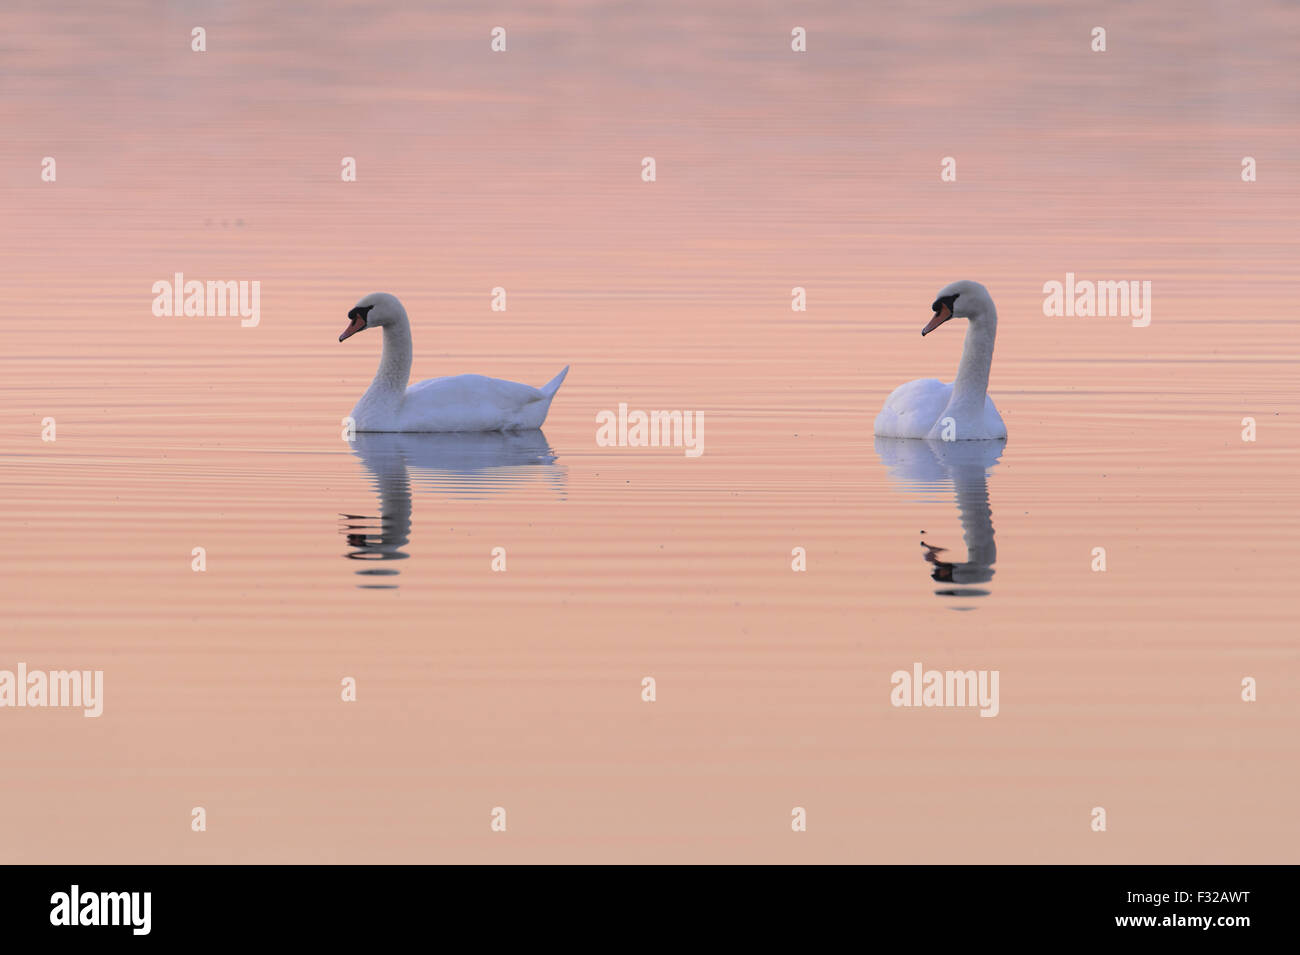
916 409
474 403
963 410
459 403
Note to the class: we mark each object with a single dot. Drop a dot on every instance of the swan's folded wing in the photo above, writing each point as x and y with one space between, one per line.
912 408
471 403
474 390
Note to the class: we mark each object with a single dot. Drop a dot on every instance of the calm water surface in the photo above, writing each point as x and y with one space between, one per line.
373 560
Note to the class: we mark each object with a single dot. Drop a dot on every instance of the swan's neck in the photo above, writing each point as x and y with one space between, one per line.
394 365
972 382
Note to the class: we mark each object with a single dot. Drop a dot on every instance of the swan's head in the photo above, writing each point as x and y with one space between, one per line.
376 309
964 299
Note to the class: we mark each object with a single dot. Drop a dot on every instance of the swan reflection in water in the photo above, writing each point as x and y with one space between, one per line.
466 465
931 465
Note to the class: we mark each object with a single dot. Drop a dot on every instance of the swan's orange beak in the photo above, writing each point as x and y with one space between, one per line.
357 323
940 317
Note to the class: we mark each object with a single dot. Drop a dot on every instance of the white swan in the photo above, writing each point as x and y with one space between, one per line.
457 403
927 408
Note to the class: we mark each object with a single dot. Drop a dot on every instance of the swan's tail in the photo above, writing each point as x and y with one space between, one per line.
551 387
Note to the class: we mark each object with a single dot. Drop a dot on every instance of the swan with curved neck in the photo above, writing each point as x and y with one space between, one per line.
456 403
963 410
